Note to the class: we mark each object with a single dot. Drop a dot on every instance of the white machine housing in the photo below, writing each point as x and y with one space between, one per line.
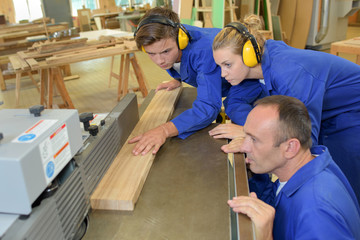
33 152
329 22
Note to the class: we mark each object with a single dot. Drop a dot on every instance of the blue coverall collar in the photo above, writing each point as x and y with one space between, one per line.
308 171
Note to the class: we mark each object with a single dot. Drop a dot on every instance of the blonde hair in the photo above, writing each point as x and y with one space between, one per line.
230 37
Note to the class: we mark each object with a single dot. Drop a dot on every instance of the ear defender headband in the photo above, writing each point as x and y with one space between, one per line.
251 50
183 37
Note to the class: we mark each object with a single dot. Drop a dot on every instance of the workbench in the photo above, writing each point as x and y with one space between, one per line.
13 38
184 197
49 65
100 18
185 194
350 46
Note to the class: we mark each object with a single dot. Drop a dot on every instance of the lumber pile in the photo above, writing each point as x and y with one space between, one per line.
57 53
121 185
53 46
22 31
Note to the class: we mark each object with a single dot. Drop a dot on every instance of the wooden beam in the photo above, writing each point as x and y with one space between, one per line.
120 187
242 189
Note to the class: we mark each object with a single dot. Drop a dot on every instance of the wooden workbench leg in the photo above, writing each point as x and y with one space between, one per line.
111 69
43 85
122 75
125 81
50 88
17 85
2 81
66 69
334 50
121 71
60 84
33 80
139 76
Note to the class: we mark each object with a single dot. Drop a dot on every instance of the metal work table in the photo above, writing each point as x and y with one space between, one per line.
184 196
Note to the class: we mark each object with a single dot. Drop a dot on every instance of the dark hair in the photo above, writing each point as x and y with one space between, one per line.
294 119
230 37
153 32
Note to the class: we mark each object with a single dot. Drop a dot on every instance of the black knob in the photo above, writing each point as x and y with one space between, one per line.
93 130
85 118
102 122
1 136
36 110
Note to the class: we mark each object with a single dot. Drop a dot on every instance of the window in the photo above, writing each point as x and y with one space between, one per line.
78 4
125 3
27 9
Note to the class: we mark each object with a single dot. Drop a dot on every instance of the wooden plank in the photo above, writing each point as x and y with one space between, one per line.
15 62
120 187
207 16
85 55
2 82
60 45
32 62
268 11
274 6
242 189
185 9
301 24
277 28
88 47
72 77
287 10
139 76
84 16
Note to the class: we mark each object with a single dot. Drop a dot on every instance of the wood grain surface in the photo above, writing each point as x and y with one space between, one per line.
121 185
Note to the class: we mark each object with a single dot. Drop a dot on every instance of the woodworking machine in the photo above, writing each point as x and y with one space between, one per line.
48 168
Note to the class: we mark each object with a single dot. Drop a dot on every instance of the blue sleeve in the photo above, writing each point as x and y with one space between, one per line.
240 100
207 105
322 224
296 82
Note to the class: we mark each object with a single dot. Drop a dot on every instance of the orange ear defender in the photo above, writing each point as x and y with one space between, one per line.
251 50
183 37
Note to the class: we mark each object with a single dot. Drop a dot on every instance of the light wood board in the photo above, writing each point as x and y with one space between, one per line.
121 185
287 13
301 24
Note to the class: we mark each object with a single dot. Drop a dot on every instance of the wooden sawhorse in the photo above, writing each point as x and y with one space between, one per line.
50 77
123 76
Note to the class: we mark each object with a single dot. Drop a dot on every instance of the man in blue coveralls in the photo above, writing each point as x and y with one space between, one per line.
328 85
304 204
185 52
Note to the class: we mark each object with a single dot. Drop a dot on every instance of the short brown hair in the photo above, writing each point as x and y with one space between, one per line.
294 119
153 32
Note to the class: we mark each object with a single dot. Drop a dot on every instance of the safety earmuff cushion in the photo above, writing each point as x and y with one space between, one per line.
183 39
249 55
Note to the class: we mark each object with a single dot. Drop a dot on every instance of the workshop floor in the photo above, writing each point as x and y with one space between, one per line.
90 92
